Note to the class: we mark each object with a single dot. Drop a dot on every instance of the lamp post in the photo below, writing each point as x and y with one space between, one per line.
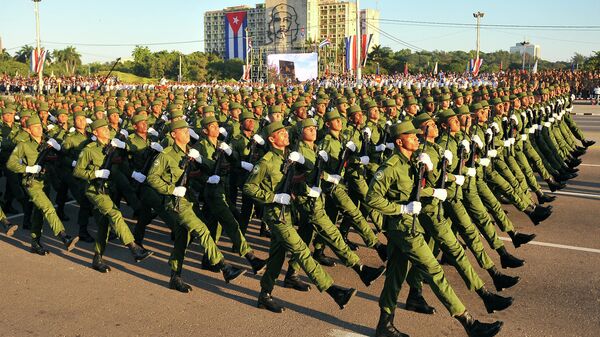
37 38
524 45
478 16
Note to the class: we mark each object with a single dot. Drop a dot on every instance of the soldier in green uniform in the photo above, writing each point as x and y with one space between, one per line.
91 167
393 192
9 130
27 160
267 185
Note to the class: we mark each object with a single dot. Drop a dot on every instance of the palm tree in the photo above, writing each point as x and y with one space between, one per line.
69 56
24 54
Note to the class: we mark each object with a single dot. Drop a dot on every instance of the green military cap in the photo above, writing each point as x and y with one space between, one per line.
354 109
370 104
43 106
522 94
484 104
140 109
79 113
176 113
113 111
209 108
128 105
138 118
223 100
178 124
389 103
273 127
458 94
308 122
287 95
463 110
445 114
61 112
420 119
157 102
98 123
208 120
351 95
8 110
33 120
428 99
247 115
298 104
505 98
235 105
275 109
342 100
513 97
496 100
411 101
445 97
178 101
257 103
476 106
403 128
321 101
99 109
331 115
27 113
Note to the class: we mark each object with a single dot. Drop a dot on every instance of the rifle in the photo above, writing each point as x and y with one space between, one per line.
186 165
44 151
342 159
420 183
288 174
109 152
444 171
386 131
364 149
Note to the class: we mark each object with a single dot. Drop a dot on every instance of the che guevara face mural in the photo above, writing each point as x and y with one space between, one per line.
283 24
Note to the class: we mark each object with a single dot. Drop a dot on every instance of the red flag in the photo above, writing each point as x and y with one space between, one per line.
405 69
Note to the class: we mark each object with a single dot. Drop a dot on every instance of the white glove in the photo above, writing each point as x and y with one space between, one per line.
448 155
333 178
72 129
296 157
223 132
152 132
140 178
466 145
88 121
314 192
156 147
413 207
282 198
194 154
164 117
33 169
258 139
124 132
485 162
547 124
440 193
460 179
51 126
495 126
52 142
364 160
425 160
351 146
389 146
247 166
471 172
323 154
214 179
367 130
532 129
73 163
493 153
193 134
507 143
478 141
515 119
117 143
103 174
523 136
512 140
551 119
225 148
179 191
380 148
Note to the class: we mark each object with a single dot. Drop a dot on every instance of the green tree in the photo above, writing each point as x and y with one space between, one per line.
24 54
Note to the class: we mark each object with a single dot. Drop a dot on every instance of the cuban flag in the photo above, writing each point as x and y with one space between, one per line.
235 35
365 45
37 60
351 61
324 43
475 64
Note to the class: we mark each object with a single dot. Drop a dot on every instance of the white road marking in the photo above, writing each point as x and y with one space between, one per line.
575 194
594 165
555 245
21 214
343 333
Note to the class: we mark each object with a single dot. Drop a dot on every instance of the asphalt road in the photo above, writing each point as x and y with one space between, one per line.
60 295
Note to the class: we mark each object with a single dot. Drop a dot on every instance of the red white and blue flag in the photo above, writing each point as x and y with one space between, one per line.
235 35
351 61
364 47
324 43
474 66
37 60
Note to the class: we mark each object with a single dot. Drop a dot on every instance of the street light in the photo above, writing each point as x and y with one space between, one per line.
478 16
37 38
524 45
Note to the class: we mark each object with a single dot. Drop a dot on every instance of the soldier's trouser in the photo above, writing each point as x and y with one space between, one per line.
523 164
185 222
563 145
218 208
122 186
357 189
77 187
403 248
480 216
339 200
13 188
313 219
536 161
502 186
551 159
517 171
494 206
150 200
467 230
568 118
107 214
43 210
284 238
501 166
440 231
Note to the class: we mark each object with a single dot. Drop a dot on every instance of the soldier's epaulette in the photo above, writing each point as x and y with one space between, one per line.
392 161
268 156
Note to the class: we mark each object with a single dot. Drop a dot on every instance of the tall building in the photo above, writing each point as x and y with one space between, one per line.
532 50
337 20
369 24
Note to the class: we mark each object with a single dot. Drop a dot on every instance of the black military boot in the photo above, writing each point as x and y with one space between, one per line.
503 199
266 301
555 185
229 272
543 198
381 251
588 143
207 266
494 302
8 228
507 260
264 230
416 302
84 235
573 162
258 265
139 253
368 274
385 326
68 241
341 295
60 211
99 265
502 281
293 281
324 260
519 239
177 283
475 328
37 248
537 213
353 246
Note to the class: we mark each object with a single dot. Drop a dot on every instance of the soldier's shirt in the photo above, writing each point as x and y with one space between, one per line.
72 146
167 169
266 178
25 154
90 159
138 151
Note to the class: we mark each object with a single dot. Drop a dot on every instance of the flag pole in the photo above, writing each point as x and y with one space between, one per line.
37 38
